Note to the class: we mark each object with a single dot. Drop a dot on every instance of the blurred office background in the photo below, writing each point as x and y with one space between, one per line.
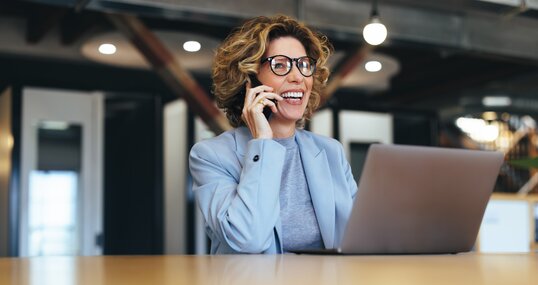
95 130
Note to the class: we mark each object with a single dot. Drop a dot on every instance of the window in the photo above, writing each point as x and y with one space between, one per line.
52 213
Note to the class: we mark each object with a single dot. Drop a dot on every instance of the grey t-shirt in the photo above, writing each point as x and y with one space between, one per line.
300 228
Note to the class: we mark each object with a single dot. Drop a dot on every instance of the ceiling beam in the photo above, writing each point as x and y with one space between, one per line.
75 25
178 79
41 20
343 68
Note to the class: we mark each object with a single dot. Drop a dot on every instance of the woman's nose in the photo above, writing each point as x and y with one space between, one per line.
295 75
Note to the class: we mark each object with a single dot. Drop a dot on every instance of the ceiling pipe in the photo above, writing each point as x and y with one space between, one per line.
81 5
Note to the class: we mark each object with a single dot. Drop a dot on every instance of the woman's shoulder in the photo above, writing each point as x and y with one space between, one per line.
224 141
225 137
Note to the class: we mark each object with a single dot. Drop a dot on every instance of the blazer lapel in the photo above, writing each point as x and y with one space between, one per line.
320 184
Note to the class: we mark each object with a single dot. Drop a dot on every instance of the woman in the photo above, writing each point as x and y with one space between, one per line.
268 186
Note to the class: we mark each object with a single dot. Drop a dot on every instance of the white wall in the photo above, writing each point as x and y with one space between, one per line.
322 123
365 127
355 126
175 176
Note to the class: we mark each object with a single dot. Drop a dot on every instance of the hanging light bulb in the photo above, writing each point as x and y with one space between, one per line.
375 32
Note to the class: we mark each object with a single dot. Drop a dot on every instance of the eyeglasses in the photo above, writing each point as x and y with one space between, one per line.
281 65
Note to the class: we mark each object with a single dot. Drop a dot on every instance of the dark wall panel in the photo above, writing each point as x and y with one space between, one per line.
133 175
416 129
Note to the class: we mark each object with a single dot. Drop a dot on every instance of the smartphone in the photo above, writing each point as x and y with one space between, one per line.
255 82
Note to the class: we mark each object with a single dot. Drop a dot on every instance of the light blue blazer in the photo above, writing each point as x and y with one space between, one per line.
236 183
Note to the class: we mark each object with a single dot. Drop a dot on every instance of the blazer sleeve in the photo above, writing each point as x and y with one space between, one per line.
241 211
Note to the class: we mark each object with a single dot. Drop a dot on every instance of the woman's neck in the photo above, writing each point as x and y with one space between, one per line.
282 129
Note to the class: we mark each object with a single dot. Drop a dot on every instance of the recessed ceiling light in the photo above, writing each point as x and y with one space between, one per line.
496 101
107 49
192 46
373 66
54 125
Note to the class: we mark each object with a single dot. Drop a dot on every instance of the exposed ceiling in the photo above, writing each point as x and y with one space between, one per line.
441 57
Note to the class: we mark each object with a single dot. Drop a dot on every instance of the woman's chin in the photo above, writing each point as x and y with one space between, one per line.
290 117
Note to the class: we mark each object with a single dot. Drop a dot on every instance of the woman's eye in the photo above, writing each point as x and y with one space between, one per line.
280 65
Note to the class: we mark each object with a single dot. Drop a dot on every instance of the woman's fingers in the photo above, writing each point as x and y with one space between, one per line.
253 96
267 95
251 93
256 99
256 103
271 104
263 100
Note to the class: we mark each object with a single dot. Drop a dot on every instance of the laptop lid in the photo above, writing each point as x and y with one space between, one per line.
414 199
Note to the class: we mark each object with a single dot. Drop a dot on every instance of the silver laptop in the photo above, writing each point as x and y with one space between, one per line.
419 200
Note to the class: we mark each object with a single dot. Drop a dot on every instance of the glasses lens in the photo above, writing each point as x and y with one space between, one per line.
280 65
306 65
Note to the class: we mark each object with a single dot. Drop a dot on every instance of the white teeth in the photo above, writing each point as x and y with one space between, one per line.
292 95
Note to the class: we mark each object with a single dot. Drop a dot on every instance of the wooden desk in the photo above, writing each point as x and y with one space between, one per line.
277 269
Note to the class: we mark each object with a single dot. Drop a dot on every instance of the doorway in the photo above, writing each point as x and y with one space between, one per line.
61 173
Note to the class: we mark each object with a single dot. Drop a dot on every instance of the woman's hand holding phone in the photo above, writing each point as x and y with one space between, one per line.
256 99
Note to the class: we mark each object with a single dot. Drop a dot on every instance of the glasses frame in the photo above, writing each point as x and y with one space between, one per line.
292 60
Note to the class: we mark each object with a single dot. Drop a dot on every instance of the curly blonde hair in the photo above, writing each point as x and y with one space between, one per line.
240 54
